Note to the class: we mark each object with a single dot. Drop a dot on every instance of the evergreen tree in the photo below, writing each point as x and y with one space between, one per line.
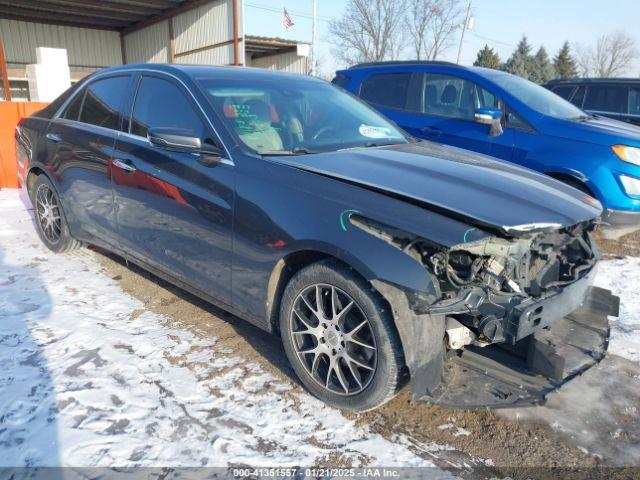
543 70
521 62
564 64
488 58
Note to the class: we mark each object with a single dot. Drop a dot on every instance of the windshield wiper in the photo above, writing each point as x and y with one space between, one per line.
293 151
380 144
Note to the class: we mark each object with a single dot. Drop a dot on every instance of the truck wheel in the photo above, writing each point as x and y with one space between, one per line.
340 338
50 220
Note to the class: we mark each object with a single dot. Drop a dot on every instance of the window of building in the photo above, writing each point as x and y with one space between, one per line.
103 102
386 89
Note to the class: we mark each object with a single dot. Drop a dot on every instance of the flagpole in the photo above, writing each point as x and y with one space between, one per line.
313 42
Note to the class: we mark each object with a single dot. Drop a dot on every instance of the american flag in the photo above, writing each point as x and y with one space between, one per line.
287 23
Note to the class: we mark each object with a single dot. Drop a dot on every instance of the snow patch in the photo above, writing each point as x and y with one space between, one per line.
622 277
90 378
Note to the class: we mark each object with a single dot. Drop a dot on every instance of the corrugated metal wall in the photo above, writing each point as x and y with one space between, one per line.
85 47
284 62
203 26
207 25
149 45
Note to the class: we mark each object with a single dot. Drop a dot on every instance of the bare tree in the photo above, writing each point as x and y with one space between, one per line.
431 24
368 31
420 14
612 56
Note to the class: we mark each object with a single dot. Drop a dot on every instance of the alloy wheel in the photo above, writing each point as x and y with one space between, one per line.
48 214
333 339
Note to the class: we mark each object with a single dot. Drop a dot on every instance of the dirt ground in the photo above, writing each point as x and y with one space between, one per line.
478 438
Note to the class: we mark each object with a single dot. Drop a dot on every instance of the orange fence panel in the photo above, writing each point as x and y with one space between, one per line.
10 115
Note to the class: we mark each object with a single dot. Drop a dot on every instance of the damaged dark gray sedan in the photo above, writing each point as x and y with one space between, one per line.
377 258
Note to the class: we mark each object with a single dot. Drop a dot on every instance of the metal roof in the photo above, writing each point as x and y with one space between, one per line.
103 14
263 46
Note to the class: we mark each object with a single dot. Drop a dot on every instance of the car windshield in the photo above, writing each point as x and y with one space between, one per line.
539 98
294 117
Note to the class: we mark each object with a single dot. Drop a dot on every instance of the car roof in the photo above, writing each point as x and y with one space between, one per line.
572 81
229 73
404 64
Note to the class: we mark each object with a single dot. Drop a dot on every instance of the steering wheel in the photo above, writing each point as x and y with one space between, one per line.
323 130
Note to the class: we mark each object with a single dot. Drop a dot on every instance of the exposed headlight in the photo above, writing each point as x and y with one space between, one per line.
628 154
631 185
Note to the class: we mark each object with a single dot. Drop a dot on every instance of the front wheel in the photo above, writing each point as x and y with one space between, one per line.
339 337
49 218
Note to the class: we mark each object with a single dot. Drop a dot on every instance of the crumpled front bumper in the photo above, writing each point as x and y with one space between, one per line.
502 375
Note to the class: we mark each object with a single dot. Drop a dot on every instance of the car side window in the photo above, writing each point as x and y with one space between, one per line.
72 111
564 91
606 98
513 120
578 97
634 100
454 97
160 103
103 102
386 89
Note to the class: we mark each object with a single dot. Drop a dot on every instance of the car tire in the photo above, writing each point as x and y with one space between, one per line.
368 355
50 220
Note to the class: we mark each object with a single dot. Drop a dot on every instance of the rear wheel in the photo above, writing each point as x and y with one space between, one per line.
50 220
339 337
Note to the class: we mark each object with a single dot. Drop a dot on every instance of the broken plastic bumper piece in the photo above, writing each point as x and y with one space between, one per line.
507 375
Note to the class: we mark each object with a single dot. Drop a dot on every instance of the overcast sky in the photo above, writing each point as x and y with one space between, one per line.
498 23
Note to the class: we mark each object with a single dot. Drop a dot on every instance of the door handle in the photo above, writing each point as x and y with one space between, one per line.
125 165
432 131
54 137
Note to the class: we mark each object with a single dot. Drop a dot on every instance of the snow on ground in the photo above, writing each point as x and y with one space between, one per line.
622 277
90 378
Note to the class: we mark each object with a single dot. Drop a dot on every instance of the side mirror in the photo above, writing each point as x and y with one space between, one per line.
175 139
490 116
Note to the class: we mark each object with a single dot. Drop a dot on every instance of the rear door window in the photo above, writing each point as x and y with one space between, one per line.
160 103
72 111
564 91
386 89
454 97
606 98
634 101
578 97
103 102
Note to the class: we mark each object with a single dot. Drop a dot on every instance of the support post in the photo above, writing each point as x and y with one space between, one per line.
3 72
171 40
123 50
236 42
314 61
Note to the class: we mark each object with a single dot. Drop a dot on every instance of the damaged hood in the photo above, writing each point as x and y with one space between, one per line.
472 187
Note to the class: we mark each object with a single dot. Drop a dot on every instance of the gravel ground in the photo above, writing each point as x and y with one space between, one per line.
509 441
